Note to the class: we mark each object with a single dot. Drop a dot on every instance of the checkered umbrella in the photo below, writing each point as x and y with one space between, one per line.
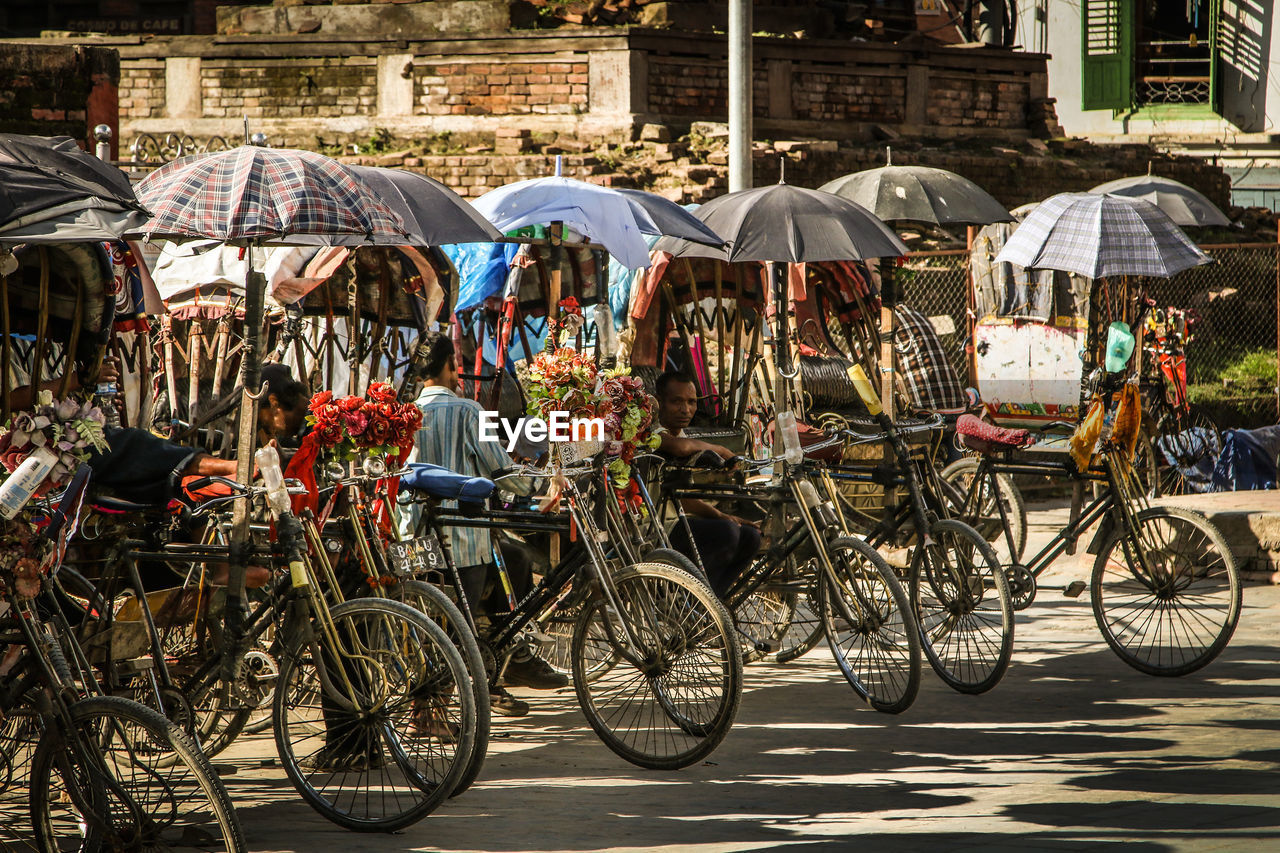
263 195
1098 236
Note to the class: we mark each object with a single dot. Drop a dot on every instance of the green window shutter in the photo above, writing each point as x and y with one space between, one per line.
1106 59
1241 45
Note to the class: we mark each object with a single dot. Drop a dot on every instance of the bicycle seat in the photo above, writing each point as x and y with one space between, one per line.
439 482
980 436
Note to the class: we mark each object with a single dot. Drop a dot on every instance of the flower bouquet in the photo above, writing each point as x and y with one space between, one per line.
68 429
374 425
630 420
65 433
564 380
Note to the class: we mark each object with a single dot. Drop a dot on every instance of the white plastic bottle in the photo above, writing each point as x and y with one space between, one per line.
785 426
23 482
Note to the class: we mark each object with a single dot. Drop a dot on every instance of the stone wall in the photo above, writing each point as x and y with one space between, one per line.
49 90
588 85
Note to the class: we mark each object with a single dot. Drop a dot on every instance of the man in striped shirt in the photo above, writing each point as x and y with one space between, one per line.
450 437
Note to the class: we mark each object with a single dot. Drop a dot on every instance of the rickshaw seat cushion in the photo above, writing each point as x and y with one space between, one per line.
439 482
977 434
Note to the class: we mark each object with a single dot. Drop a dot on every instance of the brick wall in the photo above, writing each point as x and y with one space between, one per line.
49 90
500 86
969 101
142 90
286 89
830 95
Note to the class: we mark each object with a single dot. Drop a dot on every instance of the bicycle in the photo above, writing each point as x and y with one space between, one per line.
655 667
1165 590
865 614
106 772
374 714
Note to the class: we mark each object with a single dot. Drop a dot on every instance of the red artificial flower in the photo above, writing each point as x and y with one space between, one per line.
379 430
569 305
381 392
357 422
320 400
330 433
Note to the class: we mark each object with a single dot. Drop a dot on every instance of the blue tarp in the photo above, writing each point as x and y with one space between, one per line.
482 270
1248 460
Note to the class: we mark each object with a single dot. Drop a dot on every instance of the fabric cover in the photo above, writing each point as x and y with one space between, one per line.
931 381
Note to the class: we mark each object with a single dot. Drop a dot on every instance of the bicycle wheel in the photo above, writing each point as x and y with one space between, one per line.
1194 445
870 628
668 700
961 598
675 559
807 627
1180 616
375 719
439 608
101 787
984 515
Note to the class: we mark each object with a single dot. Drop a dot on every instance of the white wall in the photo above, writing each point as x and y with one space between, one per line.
1060 37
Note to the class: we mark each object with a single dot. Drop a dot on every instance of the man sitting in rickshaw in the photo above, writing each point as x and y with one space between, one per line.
726 543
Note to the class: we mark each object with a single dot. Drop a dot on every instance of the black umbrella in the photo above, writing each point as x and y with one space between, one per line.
61 156
50 189
920 194
433 214
789 224
671 218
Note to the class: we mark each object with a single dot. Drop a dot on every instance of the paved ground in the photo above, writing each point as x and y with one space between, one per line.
1071 751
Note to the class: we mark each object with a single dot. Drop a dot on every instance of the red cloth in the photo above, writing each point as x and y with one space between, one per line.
303 467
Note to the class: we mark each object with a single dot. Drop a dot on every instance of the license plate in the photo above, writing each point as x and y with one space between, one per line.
416 556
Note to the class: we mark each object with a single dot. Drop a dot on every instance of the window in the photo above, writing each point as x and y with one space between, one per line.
1157 53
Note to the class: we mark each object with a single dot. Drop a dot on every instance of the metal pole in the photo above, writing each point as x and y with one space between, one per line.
739 95
102 139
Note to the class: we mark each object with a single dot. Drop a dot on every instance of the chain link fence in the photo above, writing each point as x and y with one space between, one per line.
1234 300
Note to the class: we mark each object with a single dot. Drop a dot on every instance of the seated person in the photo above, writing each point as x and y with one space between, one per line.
137 466
450 437
726 543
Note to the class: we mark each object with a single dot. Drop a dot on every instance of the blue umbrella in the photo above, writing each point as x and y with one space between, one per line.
616 220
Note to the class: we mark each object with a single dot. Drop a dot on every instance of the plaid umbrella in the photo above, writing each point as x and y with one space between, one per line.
1098 236
255 194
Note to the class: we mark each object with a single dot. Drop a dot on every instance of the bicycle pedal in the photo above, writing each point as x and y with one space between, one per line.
1073 589
766 647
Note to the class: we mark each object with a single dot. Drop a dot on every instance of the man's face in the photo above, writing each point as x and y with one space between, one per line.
678 405
449 377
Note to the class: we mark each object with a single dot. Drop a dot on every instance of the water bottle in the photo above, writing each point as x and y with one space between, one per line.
785 425
17 490
104 398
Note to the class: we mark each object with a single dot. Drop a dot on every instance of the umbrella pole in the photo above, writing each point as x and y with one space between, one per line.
781 388
6 345
250 380
971 307
887 301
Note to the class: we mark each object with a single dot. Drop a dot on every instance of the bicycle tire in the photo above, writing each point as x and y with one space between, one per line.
148 734
870 627
986 517
439 608
676 560
656 716
374 741
953 579
1208 582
